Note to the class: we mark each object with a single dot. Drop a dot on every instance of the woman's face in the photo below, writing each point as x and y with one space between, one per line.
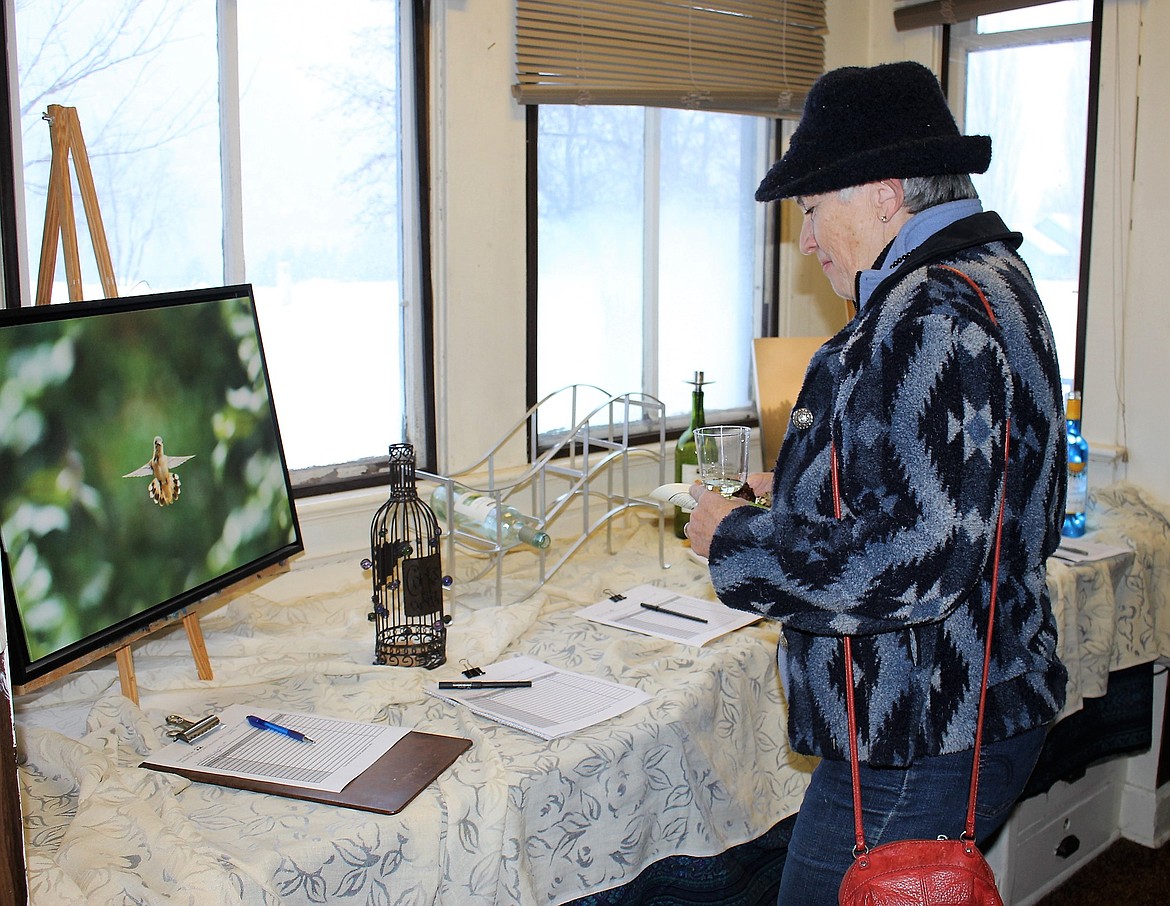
844 233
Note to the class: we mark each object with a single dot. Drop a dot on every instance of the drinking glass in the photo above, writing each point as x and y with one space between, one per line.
723 457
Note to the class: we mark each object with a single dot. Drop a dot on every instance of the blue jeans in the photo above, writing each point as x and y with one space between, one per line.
920 802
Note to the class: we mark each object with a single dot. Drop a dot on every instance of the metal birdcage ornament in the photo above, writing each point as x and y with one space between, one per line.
410 627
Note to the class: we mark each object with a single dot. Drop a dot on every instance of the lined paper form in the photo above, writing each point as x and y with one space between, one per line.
676 618
1082 550
558 702
340 751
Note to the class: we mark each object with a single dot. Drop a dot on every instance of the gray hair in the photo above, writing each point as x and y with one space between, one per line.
922 192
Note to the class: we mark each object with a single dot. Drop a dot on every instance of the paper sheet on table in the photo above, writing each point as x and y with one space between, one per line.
558 703
340 751
629 613
1081 550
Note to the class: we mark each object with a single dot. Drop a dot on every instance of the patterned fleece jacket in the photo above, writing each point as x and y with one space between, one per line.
912 398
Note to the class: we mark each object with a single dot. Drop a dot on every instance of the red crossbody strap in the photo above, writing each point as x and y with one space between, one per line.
858 828
969 828
860 848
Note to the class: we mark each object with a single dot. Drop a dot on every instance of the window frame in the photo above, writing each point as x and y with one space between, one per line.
765 305
953 78
415 304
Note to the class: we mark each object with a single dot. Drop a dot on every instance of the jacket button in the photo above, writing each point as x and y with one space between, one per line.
802 419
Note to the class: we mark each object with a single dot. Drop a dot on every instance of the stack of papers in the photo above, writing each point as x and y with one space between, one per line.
666 614
557 702
339 752
1079 550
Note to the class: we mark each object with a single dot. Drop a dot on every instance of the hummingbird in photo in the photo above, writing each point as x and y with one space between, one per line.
164 484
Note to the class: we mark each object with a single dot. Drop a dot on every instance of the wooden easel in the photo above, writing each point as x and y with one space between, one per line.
60 222
66 138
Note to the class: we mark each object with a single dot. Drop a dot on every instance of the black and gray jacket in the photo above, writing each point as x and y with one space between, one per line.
912 398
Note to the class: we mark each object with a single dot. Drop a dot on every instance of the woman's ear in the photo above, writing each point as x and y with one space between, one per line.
889 198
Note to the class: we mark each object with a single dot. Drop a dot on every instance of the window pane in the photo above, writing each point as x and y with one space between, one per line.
589 327
142 75
1033 102
602 317
317 182
706 258
319 168
1065 12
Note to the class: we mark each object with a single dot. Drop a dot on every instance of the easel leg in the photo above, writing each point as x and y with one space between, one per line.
60 220
126 675
198 647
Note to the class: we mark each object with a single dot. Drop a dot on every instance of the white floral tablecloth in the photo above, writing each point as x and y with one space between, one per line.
1114 613
516 820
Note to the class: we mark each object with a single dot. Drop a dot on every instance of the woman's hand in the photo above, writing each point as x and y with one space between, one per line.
760 482
711 507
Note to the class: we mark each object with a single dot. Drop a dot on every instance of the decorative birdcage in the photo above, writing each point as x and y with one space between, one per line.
410 627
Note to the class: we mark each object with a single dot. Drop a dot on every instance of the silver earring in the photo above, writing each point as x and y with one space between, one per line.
884 219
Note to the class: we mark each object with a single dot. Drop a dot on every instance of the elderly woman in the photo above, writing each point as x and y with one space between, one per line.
886 491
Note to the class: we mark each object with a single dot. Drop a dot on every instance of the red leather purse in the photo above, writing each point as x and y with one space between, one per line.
939 872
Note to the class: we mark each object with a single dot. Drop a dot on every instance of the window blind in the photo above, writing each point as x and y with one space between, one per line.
738 56
950 12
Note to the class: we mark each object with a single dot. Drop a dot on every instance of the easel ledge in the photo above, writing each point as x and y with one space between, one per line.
188 616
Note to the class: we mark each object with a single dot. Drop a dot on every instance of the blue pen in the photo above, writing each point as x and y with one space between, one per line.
261 724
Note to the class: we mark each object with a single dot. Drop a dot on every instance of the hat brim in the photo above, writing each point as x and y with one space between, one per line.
934 156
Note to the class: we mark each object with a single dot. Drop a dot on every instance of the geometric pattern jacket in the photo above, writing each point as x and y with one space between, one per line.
912 397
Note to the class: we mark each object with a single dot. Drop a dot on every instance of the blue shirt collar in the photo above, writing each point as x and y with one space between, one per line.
914 232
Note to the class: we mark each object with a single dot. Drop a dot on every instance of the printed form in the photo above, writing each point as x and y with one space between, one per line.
558 702
340 750
665 614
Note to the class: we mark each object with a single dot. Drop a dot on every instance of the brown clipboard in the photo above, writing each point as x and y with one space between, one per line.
387 786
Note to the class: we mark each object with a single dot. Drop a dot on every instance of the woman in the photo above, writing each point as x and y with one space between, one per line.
903 413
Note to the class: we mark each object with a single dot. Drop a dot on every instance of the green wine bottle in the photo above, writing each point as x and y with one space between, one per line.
686 457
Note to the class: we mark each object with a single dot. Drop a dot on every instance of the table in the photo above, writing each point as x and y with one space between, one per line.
703 767
1114 614
517 820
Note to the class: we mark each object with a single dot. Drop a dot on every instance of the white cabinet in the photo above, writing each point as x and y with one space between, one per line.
1051 836
1145 806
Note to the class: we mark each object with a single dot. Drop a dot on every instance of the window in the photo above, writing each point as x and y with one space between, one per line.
649 252
244 141
1023 78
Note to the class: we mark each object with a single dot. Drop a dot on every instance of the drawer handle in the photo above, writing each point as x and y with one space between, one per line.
1068 846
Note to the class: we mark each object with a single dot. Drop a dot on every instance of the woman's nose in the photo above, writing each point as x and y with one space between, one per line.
808 242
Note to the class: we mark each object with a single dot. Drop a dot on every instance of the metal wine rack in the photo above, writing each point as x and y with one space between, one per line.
581 472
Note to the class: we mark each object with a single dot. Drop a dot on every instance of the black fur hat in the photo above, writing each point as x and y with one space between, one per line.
863 124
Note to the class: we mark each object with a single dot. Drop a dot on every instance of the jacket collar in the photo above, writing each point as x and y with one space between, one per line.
950 235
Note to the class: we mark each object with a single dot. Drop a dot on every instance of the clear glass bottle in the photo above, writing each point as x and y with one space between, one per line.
480 514
1076 501
686 457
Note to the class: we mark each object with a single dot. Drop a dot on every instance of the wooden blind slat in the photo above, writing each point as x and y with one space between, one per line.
747 56
950 12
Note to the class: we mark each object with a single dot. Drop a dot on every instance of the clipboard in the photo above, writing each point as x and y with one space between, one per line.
387 786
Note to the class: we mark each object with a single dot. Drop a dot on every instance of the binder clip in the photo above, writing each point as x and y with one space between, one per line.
190 730
469 671
613 595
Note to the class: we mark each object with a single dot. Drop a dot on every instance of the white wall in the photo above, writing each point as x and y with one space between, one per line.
480 241
1128 370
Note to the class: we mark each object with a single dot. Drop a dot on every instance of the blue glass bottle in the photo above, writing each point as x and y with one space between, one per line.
1078 471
